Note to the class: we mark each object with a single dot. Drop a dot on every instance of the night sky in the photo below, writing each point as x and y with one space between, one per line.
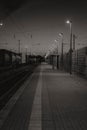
38 23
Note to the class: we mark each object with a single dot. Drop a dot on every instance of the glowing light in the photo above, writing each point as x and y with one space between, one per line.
67 21
1 24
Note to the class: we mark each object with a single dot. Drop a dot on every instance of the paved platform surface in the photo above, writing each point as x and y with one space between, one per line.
48 100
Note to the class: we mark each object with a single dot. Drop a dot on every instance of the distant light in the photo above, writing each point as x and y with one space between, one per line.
1 24
67 21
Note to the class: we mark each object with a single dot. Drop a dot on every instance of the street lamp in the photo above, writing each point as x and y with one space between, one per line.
1 24
57 56
70 23
61 34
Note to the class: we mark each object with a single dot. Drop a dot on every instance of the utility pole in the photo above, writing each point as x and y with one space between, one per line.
57 56
61 34
19 46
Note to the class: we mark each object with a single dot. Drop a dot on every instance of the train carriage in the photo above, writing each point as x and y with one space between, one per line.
9 58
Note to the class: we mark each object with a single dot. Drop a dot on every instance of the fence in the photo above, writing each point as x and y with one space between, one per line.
79 61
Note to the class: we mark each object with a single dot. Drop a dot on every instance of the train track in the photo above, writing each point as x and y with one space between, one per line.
10 84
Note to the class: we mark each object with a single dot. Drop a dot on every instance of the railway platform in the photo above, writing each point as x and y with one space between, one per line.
47 100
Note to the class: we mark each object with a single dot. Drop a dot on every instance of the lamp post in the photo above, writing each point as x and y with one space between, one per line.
70 23
57 56
61 34
1 24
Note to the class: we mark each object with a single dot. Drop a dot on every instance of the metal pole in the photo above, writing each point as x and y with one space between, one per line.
19 46
62 51
57 58
61 34
26 56
70 47
62 55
